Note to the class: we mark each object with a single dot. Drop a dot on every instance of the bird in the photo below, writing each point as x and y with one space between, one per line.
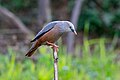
49 34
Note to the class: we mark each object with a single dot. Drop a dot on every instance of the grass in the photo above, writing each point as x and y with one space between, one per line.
98 64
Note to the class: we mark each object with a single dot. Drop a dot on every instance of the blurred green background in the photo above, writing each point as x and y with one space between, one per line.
92 55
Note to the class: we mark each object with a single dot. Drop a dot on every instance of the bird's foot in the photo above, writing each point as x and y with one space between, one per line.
54 46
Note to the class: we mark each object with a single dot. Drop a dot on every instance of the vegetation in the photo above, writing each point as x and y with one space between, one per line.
95 59
104 16
99 64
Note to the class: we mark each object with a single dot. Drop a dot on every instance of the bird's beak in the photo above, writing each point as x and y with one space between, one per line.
74 31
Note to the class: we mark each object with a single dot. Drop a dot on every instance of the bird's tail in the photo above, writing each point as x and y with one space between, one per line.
32 50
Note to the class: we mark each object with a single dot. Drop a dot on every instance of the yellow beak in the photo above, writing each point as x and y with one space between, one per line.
75 32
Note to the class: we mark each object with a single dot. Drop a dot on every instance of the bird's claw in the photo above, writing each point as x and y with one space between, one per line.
55 47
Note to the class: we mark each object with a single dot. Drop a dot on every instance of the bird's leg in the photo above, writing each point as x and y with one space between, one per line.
54 46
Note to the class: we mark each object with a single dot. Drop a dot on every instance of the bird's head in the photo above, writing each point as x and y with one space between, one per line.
68 26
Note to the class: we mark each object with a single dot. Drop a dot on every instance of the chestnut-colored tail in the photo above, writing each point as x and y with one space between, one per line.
31 51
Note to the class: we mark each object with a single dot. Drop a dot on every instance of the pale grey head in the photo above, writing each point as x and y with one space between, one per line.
66 26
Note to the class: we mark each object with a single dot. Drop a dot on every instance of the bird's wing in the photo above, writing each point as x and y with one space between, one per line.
45 29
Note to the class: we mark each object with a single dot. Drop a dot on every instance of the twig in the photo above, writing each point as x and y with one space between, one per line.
55 64
11 18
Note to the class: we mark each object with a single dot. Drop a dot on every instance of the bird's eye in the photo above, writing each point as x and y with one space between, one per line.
70 27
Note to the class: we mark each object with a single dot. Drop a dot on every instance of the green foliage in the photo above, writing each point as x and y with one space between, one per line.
97 64
17 5
24 9
103 17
